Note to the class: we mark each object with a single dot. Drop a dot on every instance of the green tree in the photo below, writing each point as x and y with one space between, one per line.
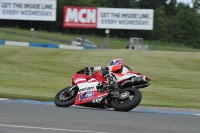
159 31
152 4
189 22
170 8
124 3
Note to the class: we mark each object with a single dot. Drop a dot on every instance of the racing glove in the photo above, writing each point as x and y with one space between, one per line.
88 70
107 75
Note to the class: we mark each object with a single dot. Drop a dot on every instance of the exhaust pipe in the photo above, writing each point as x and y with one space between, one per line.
140 81
137 82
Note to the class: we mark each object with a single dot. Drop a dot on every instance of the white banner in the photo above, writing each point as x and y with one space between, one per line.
38 10
108 18
119 18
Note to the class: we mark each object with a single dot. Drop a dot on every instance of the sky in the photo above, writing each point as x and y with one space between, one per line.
186 1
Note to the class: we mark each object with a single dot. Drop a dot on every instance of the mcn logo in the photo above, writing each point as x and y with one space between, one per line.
79 17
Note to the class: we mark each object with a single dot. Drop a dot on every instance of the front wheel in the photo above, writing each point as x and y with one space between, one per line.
65 99
128 100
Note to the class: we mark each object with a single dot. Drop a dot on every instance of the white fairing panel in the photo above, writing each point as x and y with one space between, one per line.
84 87
125 76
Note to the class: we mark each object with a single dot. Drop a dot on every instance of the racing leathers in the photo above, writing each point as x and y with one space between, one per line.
107 69
107 73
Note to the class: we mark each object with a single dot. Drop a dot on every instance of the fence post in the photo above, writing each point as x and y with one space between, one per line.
83 39
55 38
155 45
105 44
182 45
7 35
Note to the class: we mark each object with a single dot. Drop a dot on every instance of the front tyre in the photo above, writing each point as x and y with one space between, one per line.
65 99
128 100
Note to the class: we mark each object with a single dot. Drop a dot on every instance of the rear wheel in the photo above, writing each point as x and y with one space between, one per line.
65 99
129 99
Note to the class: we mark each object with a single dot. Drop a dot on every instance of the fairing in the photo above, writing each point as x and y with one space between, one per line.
98 75
87 85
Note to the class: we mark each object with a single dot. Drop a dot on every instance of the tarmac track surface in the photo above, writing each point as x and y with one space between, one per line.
26 117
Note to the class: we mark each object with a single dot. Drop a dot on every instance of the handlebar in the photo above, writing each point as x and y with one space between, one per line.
86 70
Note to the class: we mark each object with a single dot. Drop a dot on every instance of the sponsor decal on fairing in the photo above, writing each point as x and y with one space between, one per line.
84 87
86 95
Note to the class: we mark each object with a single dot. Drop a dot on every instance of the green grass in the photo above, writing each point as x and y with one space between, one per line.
39 73
114 43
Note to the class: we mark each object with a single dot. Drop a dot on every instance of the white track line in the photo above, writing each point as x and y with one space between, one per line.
53 129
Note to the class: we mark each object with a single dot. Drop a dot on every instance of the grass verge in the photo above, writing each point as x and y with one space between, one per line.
39 73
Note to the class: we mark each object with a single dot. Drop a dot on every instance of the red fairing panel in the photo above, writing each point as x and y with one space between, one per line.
88 92
87 88
80 78
98 75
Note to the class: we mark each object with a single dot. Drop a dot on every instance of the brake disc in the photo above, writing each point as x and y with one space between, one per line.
124 95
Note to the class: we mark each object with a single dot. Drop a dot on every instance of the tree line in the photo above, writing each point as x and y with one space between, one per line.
173 22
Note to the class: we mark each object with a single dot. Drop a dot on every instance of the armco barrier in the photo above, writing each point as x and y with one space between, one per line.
43 45
30 44
87 47
13 43
69 47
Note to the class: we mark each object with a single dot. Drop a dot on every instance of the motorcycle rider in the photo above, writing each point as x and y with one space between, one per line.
116 66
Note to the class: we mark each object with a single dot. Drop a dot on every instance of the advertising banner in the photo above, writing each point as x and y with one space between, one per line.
108 18
38 10
79 17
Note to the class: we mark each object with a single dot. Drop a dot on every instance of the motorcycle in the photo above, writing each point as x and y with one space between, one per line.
92 90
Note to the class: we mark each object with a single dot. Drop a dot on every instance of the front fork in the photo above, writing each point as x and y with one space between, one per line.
72 90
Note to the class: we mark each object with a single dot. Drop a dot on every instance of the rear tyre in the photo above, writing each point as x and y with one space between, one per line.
64 99
129 103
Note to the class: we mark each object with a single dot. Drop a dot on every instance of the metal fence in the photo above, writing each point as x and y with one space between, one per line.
56 38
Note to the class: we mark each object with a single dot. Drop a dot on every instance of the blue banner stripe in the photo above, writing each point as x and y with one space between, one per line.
44 45
2 42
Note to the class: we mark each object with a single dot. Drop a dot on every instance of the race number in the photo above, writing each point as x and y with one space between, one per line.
98 100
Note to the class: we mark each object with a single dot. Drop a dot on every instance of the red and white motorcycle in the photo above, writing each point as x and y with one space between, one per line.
94 91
